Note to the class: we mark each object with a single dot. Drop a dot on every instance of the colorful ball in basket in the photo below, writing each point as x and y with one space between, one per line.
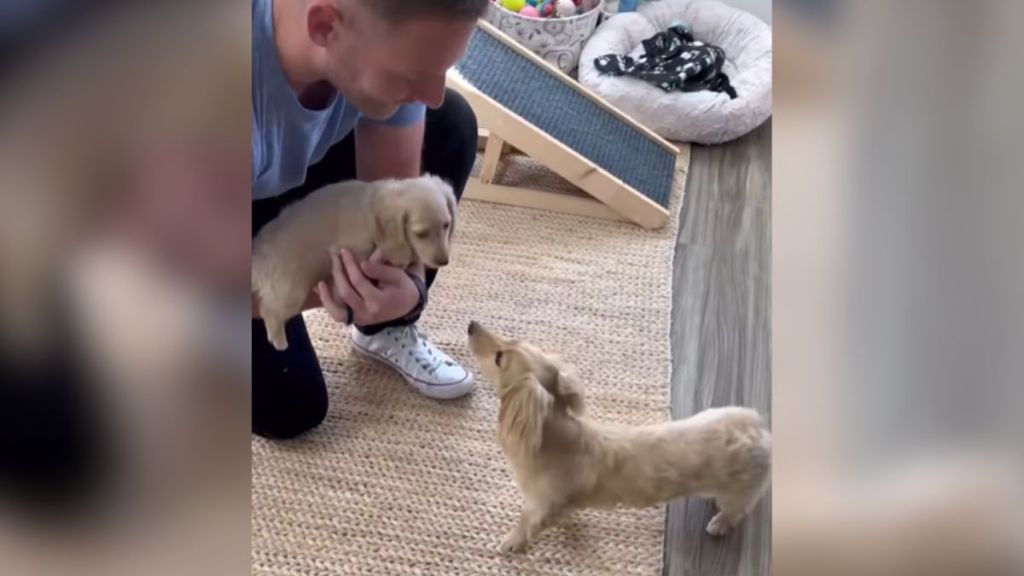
529 12
513 5
565 8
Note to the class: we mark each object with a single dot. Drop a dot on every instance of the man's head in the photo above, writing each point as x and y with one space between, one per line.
381 54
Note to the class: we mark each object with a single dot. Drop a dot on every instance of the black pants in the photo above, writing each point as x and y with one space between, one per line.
288 392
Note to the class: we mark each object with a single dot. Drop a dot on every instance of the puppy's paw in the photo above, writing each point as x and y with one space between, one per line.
513 543
718 526
275 331
403 263
280 343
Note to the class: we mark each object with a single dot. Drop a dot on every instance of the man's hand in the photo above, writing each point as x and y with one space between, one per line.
375 291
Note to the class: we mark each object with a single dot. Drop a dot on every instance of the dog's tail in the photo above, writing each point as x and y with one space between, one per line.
764 442
757 440
760 433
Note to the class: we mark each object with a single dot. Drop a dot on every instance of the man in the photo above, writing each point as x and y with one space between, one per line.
345 89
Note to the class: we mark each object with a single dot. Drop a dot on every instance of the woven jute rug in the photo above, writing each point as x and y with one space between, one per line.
393 483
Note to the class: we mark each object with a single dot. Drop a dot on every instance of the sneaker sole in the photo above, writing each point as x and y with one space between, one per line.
434 391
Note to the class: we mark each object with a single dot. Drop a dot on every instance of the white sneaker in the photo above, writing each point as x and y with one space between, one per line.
430 371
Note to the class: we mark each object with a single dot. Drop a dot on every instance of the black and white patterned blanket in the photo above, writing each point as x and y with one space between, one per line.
673 60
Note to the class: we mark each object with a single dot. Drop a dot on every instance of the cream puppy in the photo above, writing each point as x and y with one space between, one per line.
563 460
410 220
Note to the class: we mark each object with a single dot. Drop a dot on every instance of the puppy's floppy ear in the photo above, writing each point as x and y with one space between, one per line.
562 382
392 222
449 198
522 414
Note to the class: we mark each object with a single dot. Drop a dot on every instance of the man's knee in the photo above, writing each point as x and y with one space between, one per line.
289 394
294 424
296 415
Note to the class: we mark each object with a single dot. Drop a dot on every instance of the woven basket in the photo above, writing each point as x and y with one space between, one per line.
558 40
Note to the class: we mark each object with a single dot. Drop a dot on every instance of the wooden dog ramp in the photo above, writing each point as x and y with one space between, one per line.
522 101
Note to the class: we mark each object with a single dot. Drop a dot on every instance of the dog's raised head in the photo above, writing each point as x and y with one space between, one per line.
415 220
535 388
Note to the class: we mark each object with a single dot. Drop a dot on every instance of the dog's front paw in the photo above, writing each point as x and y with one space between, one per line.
718 526
513 543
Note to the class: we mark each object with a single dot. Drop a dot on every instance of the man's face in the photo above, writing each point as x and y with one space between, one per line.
379 66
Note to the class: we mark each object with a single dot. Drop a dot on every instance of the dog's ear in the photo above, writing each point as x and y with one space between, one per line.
449 198
522 414
392 223
562 382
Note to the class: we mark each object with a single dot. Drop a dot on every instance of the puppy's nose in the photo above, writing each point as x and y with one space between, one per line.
442 261
474 327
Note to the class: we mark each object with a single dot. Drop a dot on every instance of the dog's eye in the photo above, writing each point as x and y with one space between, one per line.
497 358
447 225
423 233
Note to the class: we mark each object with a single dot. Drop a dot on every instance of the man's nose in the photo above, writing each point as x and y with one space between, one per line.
432 93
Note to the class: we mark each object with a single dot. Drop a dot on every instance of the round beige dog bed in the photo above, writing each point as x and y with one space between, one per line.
705 117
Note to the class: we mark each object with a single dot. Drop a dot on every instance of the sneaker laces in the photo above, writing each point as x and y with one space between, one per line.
430 360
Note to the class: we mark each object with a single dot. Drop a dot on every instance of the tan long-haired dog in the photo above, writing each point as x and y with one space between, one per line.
410 220
563 460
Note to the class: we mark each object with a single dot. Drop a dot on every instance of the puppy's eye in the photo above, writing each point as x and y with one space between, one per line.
447 225
497 358
422 233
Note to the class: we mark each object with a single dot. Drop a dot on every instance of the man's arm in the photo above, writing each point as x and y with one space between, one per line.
384 151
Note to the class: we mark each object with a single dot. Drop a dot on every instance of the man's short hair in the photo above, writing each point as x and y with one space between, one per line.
403 10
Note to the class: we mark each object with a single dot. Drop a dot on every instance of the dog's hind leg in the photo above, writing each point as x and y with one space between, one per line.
746 486
276 308
732 507
275 332
730 511
533 520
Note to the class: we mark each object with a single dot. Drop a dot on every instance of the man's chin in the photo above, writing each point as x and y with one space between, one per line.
378 111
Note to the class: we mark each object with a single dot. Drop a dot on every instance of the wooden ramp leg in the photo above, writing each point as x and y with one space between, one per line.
492 156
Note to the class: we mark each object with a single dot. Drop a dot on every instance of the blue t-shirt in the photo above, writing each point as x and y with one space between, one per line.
287 138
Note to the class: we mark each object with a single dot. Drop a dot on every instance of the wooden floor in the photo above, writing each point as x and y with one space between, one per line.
721 333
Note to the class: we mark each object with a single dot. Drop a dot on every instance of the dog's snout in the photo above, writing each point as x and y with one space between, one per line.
442 261
474 327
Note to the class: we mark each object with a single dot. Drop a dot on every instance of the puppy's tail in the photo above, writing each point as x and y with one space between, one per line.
754 435
764 458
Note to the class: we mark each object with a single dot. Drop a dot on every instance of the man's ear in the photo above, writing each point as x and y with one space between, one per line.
322 20
392 222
